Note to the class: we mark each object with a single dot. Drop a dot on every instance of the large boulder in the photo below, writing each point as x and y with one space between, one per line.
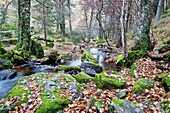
109 80
142 84
7 74
40 93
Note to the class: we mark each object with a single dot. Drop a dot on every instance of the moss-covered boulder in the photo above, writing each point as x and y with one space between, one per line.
83 78
4 63
69 68
20 52
40 92
87 56
94 66
142 84
109 80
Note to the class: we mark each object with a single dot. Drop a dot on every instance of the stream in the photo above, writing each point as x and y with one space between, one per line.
34 67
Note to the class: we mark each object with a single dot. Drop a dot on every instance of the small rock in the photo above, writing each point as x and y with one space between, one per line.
90 72
122 94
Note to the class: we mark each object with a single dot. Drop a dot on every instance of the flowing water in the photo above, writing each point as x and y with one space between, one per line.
33 67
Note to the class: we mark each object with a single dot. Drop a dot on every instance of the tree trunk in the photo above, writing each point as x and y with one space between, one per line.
69 15
44 24
57 6
86 21
24 23
143 39
91 20
159 10
62 24
123 30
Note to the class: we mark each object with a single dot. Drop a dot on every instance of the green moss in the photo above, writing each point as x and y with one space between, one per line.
117 101
132 70
24 100
17 91
100 41
119 59
167 57
6 63
166 79
52 106
133 55
13 40
70 78
83 77
50 44
33 56
104 81
69 68
3 50
165 106
37 49
6 56
18 59
142 84
87 56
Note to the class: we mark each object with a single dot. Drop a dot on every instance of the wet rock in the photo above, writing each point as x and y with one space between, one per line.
90 72
94 66
122 106
122 93
75 90
7 74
